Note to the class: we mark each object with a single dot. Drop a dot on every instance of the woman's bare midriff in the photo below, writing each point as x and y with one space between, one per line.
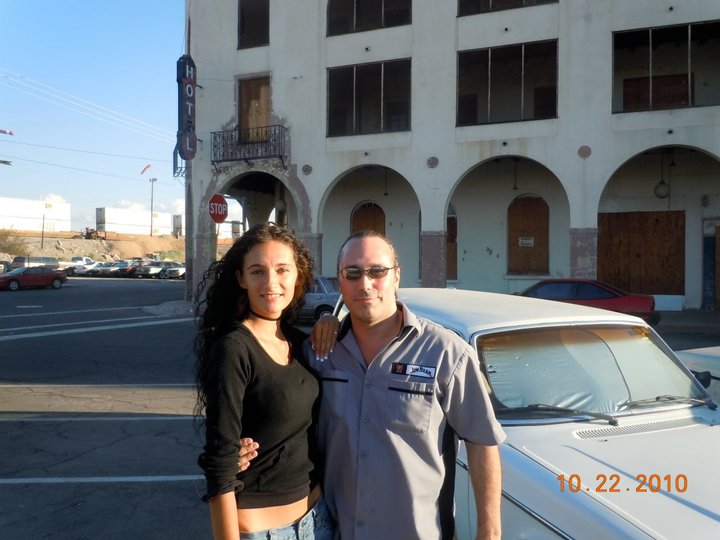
272 517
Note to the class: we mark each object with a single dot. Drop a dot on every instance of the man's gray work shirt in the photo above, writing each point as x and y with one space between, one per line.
387 431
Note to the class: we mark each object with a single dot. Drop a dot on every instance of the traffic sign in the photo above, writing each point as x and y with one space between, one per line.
218 208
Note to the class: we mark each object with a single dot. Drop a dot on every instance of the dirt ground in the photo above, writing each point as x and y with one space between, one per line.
160 247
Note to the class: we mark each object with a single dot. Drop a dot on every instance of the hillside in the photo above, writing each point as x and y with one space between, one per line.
163 247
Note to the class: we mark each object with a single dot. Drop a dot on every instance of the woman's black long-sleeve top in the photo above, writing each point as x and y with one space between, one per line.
250 395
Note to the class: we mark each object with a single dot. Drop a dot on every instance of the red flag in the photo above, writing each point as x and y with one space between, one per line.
145 168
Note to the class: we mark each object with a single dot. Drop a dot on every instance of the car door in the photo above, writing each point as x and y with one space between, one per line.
33 277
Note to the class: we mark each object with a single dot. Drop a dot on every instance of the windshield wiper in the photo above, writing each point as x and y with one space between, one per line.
542 407
668 398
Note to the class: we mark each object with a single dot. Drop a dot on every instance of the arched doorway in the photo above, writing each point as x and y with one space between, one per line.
368 216
528 236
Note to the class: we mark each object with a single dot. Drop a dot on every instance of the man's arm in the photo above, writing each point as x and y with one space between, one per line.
486 478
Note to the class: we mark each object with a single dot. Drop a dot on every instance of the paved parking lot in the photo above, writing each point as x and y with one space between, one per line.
97 436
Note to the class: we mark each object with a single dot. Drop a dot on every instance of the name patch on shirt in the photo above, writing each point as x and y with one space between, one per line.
412 369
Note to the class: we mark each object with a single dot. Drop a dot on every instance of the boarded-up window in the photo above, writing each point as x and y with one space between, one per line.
368 216
528 231
643 252
254 105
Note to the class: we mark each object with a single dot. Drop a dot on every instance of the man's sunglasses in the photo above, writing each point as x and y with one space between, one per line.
352 273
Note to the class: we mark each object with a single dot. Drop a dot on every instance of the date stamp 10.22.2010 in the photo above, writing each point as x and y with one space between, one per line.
613 483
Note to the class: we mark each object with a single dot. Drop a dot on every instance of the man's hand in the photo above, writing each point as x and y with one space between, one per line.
324 336
248 452
486 477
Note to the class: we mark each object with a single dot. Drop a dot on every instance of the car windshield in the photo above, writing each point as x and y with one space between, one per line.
600 369
332 283
17 271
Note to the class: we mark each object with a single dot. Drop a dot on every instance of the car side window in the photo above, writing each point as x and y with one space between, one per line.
555 291
588 291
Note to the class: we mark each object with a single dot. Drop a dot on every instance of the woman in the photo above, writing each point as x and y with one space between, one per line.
252 384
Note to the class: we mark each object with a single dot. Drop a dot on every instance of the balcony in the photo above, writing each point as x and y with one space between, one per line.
265 142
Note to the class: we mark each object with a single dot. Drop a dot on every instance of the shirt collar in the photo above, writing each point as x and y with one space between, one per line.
410 321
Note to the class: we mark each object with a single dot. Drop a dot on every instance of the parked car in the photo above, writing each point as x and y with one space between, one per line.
4 266
97 270
75 264
609 435
32 276
173 272
128 269
154 269
21 262
594 293
114 269
321 298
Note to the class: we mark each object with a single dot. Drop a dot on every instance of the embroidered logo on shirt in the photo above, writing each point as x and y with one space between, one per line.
415 371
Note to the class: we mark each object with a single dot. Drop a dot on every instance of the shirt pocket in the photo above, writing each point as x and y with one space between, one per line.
334 392
409 406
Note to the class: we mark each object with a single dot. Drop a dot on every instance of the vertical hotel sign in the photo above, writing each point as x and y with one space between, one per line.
187 81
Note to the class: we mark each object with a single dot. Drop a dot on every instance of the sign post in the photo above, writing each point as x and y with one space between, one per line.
218 208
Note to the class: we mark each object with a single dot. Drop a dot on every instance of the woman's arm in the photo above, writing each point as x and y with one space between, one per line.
224 517
324 336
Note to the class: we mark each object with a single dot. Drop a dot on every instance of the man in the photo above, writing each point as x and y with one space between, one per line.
397 392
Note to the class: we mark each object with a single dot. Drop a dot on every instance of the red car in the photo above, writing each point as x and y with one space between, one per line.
32 276
594 293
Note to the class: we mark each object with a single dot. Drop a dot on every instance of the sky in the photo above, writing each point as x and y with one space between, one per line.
88 88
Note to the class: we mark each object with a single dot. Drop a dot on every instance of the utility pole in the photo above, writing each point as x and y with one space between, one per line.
152 184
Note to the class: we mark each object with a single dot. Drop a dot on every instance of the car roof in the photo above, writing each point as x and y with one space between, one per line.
469 312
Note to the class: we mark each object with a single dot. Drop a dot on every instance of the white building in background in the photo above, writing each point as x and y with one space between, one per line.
138 222
34 215
495 143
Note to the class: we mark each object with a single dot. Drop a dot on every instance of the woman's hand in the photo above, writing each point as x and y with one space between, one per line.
324 336
248 452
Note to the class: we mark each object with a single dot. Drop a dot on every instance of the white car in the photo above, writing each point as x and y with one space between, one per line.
609 435
155 269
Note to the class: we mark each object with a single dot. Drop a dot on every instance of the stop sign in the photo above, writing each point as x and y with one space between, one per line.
218 208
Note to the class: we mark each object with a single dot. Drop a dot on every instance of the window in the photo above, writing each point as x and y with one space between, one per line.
666 68
369 98
253 23
254 109
368 217
528 232
506 84
471 7
347 16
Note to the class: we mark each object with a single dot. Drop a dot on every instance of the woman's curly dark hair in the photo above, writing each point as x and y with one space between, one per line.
220 301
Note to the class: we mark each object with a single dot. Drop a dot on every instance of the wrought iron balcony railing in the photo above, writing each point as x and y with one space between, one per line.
249 144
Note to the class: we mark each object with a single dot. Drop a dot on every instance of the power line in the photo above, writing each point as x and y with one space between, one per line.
76 104
155 160
103 174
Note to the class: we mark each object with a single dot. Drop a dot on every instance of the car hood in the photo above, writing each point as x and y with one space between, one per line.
664 447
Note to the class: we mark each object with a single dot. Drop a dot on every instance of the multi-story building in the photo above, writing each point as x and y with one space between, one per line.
494 142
